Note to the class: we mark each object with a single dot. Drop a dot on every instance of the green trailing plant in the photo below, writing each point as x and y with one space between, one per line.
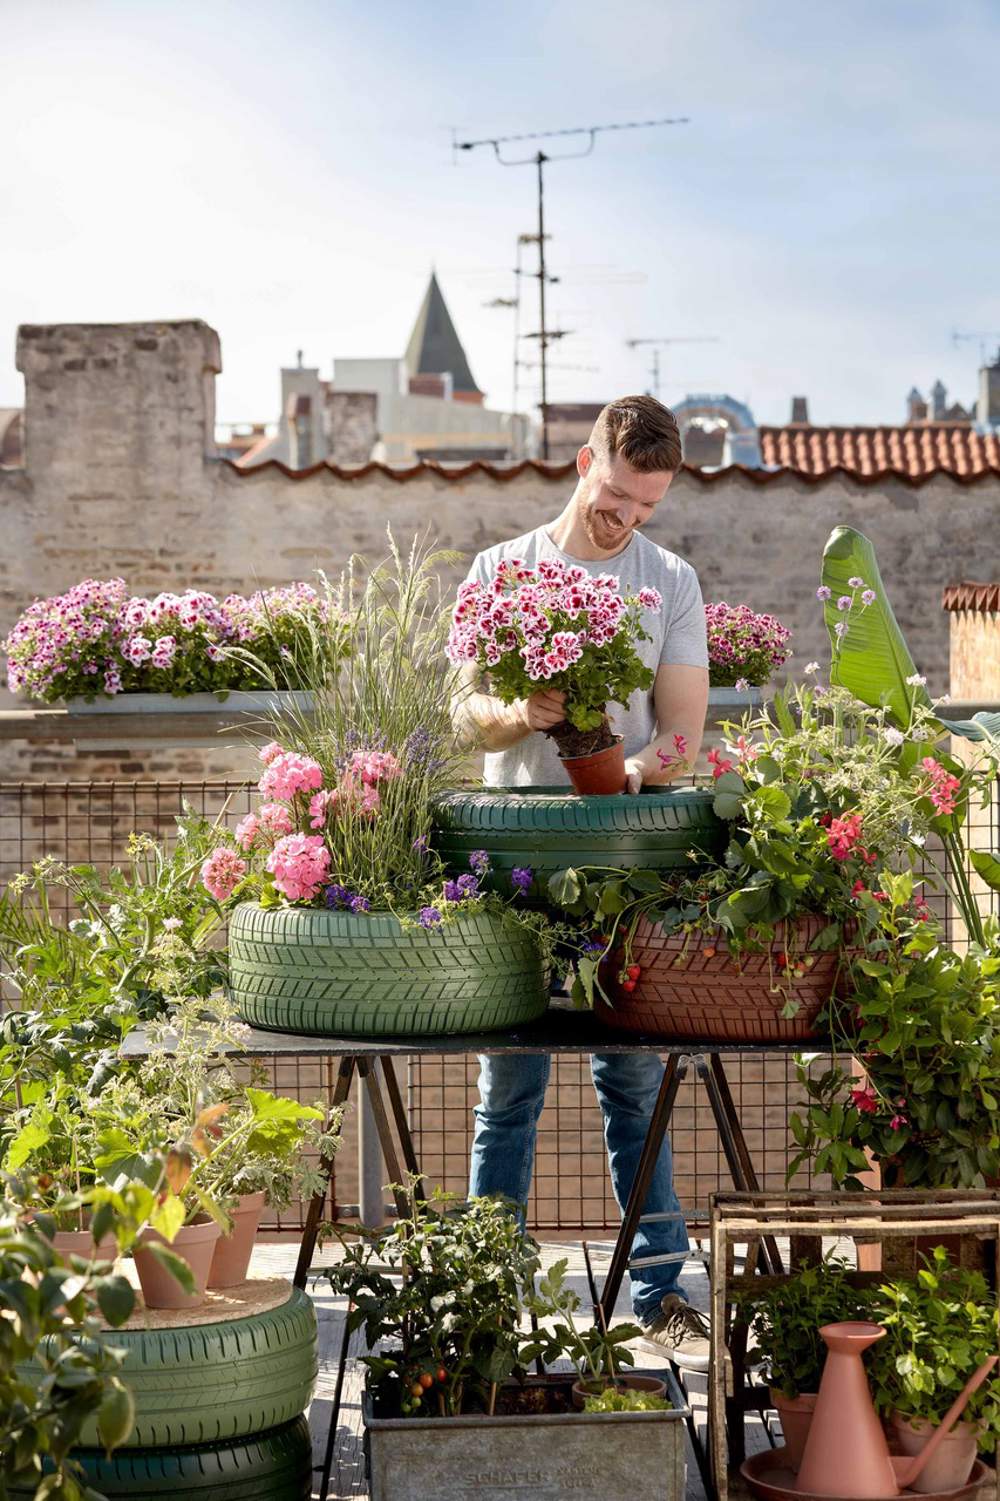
940 1328
52 1314
786 1319
915 1084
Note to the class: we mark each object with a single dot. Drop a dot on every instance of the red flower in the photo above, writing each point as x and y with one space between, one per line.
844 835
859 888
719 766
898 1122
864 1100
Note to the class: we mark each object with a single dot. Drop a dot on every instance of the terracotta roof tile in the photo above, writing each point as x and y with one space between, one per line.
966 596
912 452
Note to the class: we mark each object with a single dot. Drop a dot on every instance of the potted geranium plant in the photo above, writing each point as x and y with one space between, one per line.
745 650
98 649
559 626
443 1297
940 1328
341 919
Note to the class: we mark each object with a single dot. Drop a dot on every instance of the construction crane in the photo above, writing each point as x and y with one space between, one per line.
658 344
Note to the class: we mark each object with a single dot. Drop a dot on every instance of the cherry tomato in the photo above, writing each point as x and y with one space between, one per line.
416 1390
441 1373
426 1380
708 953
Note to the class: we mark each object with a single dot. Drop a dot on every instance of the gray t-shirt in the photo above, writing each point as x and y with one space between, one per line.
677 638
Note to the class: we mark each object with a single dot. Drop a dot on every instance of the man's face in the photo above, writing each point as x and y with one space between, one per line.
614 499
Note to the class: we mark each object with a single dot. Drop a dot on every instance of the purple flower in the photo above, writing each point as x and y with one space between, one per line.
844 602
337 896
841 629
452 891
479 861
741 685
823 592
468 885
429 917
420 844
360 904
592 948
521 877
868 598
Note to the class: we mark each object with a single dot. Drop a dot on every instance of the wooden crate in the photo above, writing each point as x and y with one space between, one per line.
757 1222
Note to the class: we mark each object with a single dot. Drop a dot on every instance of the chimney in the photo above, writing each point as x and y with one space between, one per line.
800 412
300 449
939 400
988 405
916 407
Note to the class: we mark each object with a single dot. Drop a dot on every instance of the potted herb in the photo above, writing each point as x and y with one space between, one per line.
341 919
745 650
560 627
940 1328
785 1323
444 1297
98 649
52 1142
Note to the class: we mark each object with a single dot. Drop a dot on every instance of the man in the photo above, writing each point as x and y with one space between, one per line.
625 470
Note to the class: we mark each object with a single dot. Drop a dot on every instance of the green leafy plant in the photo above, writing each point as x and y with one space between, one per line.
52 1314
442 1292
920 1085
940 1328
598 1352
787 1317
622 1399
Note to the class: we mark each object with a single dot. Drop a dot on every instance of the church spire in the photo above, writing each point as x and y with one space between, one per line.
434 347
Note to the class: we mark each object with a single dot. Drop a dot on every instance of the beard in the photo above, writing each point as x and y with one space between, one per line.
603 530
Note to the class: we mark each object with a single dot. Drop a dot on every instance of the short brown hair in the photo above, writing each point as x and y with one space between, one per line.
642 430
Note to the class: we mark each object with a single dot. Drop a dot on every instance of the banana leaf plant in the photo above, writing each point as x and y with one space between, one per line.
870 658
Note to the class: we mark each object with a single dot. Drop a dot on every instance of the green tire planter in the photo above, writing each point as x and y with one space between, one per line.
337 974
205 1383
273 1466
549 828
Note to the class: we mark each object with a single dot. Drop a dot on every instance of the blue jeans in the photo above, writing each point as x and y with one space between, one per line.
512 1092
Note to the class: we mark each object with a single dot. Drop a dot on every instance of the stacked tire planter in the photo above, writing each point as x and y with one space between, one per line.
219 1393
337 974
550 828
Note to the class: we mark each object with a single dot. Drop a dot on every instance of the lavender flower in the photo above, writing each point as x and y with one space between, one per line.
856 583
868 598
360 904
420 844
337 896
479 861
844 602
521 878
823 592
429 917
841 629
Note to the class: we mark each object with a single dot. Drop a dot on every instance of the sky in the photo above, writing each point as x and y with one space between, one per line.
830 215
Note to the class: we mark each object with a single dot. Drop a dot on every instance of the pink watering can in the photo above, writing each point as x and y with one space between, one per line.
846 1453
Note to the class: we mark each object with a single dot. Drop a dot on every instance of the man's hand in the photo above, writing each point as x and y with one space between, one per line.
634 774
542 710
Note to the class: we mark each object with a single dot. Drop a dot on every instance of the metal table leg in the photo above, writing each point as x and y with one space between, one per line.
314 1214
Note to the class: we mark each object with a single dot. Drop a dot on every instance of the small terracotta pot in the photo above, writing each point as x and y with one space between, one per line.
951 1466
196 1243
81 1243
796 1414
650 1384
603 772
231 1257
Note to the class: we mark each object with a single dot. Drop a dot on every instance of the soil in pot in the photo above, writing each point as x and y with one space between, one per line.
651 1385
573 743
160 1289
947 1469
796 1414
232 1252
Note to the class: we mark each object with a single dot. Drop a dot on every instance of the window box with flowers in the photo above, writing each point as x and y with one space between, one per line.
341 919
101 651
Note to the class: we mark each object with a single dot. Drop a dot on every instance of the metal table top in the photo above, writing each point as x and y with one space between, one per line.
562 1029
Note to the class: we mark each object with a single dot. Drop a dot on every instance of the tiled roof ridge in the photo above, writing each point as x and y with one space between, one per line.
913 451
550 470
969 596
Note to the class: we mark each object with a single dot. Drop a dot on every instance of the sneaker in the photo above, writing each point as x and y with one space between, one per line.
679 1332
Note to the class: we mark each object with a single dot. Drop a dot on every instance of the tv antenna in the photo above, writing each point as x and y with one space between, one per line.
538 159
981 338
658 344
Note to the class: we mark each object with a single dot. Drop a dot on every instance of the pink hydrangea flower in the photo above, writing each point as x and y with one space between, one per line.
288 773
300 864
222 872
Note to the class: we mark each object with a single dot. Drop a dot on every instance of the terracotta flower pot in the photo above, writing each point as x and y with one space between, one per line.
951 1466
81 1243
231 1257
649 1384
196 1243
796 1414
600 773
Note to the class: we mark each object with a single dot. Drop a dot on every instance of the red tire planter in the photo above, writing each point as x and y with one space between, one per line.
712 997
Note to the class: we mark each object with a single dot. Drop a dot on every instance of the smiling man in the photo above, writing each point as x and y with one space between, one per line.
625 471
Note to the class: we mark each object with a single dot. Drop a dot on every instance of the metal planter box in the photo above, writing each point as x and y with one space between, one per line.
255 701
573 1456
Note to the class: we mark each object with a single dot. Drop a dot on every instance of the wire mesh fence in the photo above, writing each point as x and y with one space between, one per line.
91 822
